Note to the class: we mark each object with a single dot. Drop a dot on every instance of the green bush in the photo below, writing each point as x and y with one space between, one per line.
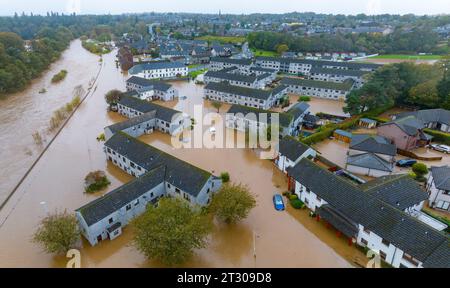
225 176
304 99
439 136
95 181
293 197
286 193
420 169
297 204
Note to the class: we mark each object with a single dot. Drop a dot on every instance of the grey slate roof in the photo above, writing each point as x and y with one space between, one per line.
410 125
400 229
441 177
298 109
132 122
429 116
243 91
370 161
155 84
372 143
440 257
179 173
345 86
285 119
338 220
292 148
231 76
399 191
143 106
260 69
155 65
245 62
103 206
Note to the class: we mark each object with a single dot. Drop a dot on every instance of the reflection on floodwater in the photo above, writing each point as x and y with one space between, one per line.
279 239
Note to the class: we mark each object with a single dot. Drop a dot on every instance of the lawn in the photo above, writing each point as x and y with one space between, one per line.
264 53
408 57
223 39
194 74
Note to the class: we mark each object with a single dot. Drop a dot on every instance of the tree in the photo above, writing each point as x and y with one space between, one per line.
217 105
425 94
95 181
113 96
232 203
57 233
169 232
282 48
420 169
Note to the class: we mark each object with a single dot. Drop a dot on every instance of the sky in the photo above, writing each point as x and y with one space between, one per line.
370 7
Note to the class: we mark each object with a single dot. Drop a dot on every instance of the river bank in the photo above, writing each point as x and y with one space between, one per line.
29 111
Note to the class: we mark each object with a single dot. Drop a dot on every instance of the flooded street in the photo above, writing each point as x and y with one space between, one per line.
26 112
280 239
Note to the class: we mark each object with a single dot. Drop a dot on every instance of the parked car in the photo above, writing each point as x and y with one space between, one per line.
278 202
440 148
406 162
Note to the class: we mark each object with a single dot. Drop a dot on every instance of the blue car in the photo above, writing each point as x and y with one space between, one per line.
406 162
278 202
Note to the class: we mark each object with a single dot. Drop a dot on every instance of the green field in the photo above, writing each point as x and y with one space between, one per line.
223 39
264 53
408 57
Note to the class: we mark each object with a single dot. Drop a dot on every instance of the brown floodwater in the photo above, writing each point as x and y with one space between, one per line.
23 113
279 239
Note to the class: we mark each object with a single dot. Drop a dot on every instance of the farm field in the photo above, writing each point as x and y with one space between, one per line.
408 57
223 39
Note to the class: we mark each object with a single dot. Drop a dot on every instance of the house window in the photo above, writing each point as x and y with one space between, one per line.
110 220
168 185
382 255
410 259
385 242
177 190
128 207
366 230
136 202
364 241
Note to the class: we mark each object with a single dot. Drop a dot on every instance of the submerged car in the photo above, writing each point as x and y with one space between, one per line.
406 162
440 148
278 202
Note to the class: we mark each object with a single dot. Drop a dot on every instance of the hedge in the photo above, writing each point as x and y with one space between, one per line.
297 204
326 131
439 136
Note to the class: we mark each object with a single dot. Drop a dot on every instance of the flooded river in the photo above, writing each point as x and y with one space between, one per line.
279 239
27 112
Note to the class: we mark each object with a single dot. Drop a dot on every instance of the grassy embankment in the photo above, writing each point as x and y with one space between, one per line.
408 57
